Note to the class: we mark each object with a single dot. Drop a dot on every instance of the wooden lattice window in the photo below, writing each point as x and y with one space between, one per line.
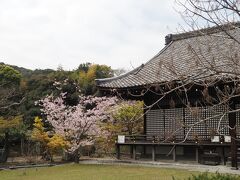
217 119
155 123
206 120
197 123
238 121
174 124
195 126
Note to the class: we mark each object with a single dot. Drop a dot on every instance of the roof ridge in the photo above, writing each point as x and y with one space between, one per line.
201 32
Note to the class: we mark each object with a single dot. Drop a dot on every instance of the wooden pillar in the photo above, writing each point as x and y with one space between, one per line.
144 126
223 156
174 153
134 151
144 150
232 131
145 120
197 154
131 151
117 151
153 153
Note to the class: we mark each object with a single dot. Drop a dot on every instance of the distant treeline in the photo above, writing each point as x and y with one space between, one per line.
35 84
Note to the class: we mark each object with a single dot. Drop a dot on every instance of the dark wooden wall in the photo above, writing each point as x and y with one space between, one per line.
175 123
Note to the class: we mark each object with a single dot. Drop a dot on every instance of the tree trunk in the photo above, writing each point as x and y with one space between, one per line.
47 156
73 157
76 157
22 146
5 152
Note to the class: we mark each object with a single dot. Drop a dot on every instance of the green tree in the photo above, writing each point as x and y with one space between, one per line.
129 116
87 73
41 83
84 67
127 119
35 86
10 127
10 99
9 87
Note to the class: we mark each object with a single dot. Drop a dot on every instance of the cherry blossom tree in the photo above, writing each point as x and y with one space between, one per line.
78 124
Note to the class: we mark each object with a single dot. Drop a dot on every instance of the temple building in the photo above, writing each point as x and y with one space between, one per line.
191 98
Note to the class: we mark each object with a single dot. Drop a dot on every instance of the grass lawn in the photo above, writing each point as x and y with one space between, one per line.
95 172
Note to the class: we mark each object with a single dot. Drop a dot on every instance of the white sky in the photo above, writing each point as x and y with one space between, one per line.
118 33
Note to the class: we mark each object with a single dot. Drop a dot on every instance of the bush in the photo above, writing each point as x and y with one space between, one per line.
215 176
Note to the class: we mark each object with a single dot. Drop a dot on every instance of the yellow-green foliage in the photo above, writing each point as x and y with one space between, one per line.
130 117
10 123
86 77
127 119
38 133
50 143
9 75
95 71
56 142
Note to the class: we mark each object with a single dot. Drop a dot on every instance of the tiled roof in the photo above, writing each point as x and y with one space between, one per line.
195 55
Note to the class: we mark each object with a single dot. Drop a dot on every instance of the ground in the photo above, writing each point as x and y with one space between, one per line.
187 165
95 172
109 168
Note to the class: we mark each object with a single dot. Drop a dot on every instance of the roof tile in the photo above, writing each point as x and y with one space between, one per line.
184 57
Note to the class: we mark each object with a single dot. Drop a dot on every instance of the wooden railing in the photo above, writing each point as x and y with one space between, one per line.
162 139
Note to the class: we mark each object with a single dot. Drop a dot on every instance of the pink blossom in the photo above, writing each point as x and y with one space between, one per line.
76 123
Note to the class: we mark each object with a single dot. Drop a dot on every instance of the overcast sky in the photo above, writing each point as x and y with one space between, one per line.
119 33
